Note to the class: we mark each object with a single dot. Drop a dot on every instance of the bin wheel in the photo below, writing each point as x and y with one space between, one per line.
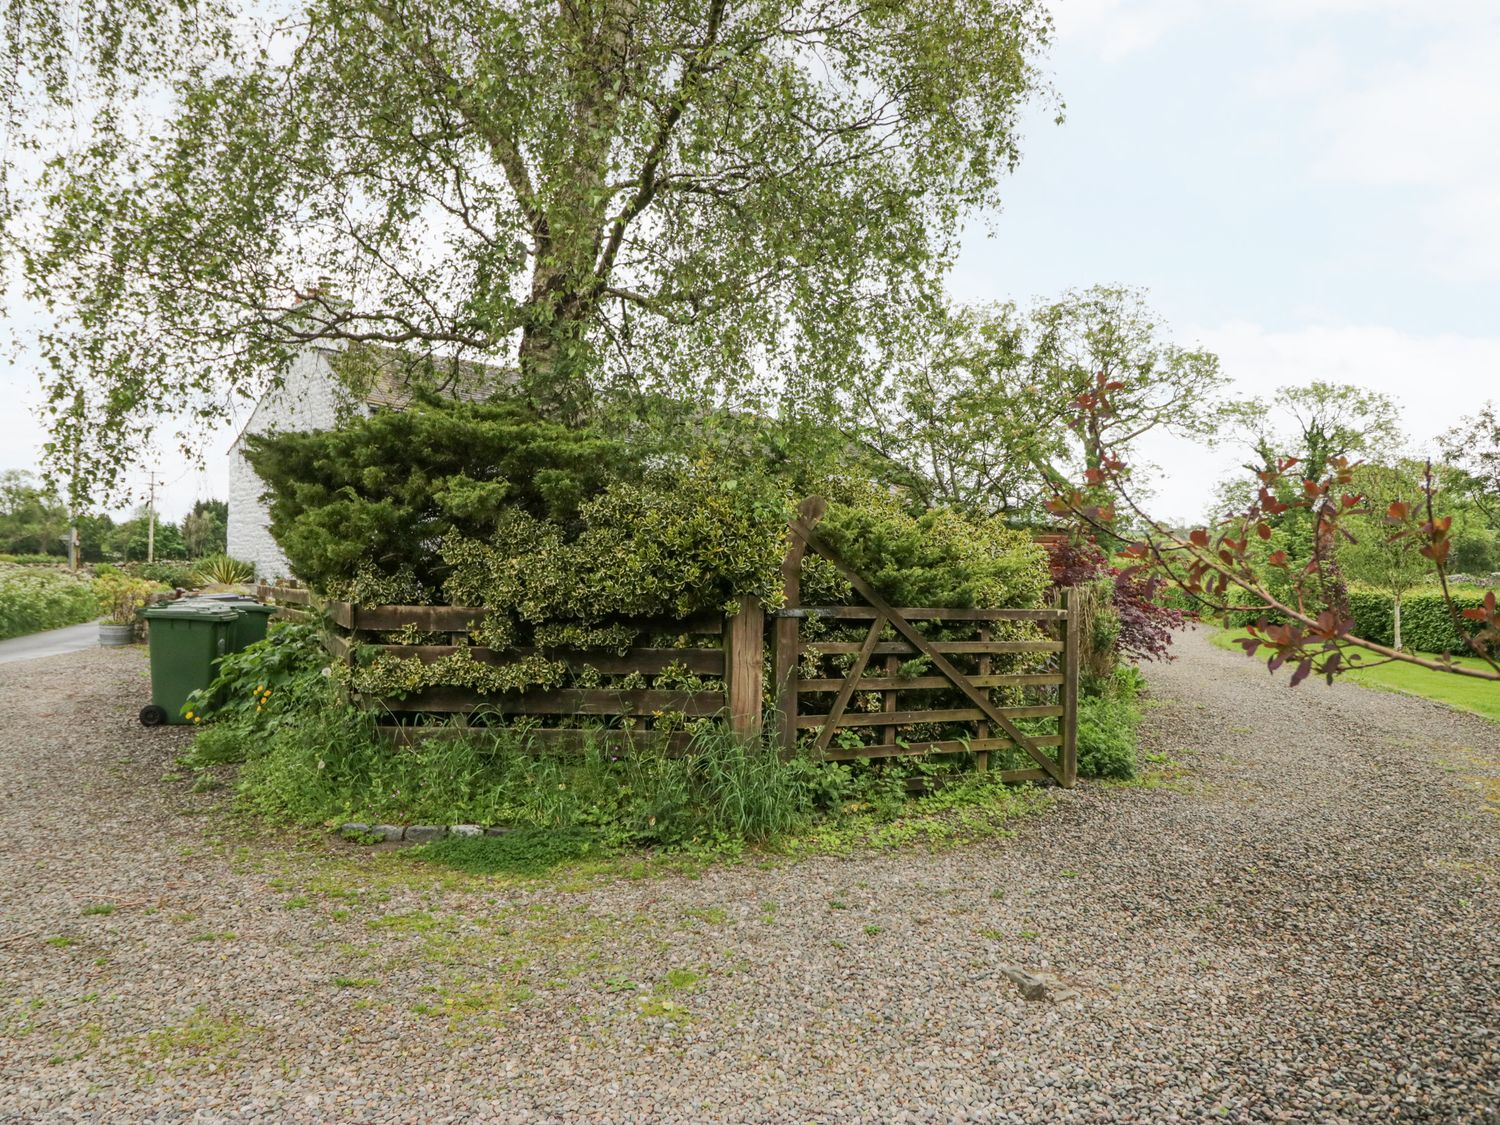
153 716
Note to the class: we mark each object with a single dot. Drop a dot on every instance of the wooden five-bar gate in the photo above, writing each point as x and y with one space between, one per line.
892 641
870 684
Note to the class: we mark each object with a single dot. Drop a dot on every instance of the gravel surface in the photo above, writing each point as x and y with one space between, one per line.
1298 923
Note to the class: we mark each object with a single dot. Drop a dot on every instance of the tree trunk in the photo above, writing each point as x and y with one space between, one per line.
1396 626
554 374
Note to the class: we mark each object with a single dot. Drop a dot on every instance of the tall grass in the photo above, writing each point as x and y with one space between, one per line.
310 758
338 768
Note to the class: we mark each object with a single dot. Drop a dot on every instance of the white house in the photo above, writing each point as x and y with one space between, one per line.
325 385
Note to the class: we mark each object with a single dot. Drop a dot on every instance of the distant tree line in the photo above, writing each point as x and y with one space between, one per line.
34 520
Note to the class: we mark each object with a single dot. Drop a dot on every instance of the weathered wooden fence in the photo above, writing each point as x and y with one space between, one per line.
843 710
726 650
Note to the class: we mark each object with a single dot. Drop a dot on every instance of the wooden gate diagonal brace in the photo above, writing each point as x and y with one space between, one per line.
846 691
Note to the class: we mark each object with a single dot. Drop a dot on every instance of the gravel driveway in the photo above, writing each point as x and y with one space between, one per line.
1299 924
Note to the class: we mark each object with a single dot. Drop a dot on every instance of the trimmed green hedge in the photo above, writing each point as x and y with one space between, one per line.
1426 623
1239 618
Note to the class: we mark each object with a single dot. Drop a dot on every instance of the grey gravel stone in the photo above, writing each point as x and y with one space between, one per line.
391 833
465 830
1038 986
1301 927
425 833
353 829
497 830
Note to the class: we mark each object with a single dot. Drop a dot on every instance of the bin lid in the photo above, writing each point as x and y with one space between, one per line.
237 602
191 611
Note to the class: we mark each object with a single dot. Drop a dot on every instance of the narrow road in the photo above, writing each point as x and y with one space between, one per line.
1293 919
54 642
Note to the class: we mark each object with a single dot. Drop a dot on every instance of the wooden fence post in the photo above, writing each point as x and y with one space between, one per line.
744 653
787 636
1069 721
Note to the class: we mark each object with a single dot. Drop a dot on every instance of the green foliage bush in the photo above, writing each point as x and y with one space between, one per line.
311 758
684 538
1236 618
178 575
380 494
268 684
1107 729
329 767
1476 550
1426 623
222 570
567 538
491 505
33 599
119 597
939 558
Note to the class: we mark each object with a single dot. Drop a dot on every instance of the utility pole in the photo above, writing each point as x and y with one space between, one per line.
151 520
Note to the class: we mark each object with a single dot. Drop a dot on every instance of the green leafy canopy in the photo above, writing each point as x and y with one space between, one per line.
722 198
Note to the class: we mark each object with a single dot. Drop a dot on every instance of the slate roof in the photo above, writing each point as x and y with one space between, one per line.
390 377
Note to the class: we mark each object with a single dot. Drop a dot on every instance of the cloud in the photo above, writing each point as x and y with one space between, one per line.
1435 379
1116 28
1313 71
1427 126
1432 121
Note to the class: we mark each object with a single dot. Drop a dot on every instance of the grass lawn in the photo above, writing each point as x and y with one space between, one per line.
1478 696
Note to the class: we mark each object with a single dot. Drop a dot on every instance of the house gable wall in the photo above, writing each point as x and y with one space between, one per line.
310 398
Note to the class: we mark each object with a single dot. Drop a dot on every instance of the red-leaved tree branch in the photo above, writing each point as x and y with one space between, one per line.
1306 624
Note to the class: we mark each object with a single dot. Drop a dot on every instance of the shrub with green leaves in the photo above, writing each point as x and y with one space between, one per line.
267 684
331 767
1427 625
222 570
33 599
684 538
177 575
940 557
378 495
120 597
1107 728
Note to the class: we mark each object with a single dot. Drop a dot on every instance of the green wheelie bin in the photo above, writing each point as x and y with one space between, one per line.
252 623
186 638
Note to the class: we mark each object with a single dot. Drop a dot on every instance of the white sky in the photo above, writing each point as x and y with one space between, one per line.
1310 188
